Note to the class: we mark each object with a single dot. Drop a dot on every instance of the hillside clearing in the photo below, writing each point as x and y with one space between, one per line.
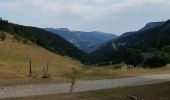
15 57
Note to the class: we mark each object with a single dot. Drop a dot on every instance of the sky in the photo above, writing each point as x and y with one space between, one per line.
111 16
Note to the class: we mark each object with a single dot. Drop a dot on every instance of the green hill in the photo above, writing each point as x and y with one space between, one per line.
47 40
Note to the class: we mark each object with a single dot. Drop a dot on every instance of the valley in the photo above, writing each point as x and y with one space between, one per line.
59 65
84 49
85 41
16 64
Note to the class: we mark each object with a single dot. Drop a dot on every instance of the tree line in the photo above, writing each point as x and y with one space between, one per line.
47 40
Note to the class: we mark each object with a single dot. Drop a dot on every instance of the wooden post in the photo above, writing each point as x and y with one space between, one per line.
45 71
30 68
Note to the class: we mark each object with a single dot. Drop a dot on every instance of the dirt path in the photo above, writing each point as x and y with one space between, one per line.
51 88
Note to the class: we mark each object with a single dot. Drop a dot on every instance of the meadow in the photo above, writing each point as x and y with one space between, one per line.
15 57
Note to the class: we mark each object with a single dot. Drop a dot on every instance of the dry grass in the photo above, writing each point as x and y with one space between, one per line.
110 72
14 60
148 92
14 65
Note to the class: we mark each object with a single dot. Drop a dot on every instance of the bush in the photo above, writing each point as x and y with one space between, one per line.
157 60
119 66
17 38
25 41
2 36
133 57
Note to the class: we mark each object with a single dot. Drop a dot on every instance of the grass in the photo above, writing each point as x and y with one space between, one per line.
111 72
14 65
15 56
147 92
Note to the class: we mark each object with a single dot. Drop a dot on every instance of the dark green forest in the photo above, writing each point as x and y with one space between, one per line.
44 39
149 40
129 48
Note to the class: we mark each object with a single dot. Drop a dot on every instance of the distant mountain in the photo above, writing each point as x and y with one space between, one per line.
152 25
98 46
127 34
45 39
152 37
86 41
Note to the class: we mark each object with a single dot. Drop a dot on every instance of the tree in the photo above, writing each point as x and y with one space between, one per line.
2 36
73 76
133 57
157 60
166 49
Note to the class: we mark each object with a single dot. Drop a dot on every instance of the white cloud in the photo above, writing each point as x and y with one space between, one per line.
102 15
80 7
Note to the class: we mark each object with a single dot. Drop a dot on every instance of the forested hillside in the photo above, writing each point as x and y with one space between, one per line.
47 40
153 37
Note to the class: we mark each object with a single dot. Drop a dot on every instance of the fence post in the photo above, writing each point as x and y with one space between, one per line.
30 68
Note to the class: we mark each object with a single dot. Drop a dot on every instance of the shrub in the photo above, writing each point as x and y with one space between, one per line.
133 57
2 36
157 60
25 41
119 66
17 38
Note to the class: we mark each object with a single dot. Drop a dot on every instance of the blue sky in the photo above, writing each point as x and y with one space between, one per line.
112 16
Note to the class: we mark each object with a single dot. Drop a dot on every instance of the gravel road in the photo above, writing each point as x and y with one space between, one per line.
52 88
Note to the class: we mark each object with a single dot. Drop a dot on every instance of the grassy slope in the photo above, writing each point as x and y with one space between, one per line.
107 72
148 92
14 65
14 60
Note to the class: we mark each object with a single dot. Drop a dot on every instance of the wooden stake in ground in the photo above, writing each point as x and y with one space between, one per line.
30 69
45 71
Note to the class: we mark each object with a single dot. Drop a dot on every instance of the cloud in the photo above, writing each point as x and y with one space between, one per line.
102 15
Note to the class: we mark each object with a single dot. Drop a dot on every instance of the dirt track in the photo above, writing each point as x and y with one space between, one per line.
52 88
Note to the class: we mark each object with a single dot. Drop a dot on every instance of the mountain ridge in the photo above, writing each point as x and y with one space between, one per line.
152 37
47 40
83 40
